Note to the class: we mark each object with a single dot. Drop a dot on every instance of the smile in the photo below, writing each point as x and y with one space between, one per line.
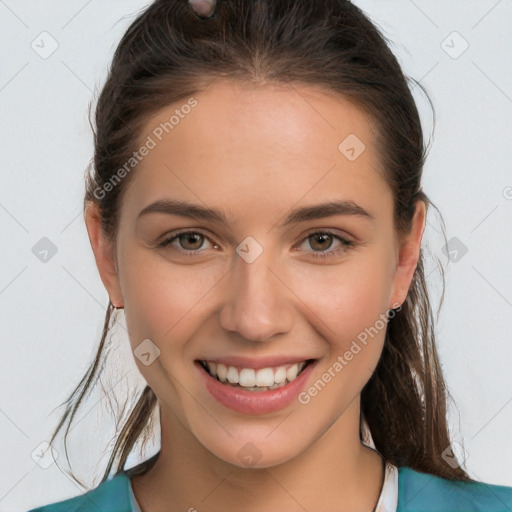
255 380
258 391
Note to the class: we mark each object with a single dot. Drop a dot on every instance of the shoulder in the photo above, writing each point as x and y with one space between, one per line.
110 496
422 492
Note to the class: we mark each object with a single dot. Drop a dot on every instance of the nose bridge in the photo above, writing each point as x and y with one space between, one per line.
257 306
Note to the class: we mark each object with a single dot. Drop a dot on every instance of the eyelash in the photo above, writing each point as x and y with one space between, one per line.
346 244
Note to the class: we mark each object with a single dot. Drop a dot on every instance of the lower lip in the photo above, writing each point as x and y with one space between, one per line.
255 402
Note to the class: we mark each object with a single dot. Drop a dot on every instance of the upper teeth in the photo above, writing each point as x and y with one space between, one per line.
248 377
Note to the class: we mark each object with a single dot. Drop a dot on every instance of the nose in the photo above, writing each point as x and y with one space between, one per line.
259 304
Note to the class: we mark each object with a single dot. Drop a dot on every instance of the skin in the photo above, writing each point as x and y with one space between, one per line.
256 153
203 8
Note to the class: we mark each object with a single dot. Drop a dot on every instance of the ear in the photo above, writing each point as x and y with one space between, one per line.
408 256
104 254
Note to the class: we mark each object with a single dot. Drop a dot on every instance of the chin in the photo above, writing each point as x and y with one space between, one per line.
253 451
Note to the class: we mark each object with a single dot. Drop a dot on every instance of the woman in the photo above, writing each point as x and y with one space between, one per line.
256 209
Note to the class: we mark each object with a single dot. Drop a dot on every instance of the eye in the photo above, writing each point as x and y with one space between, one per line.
321 241
189 242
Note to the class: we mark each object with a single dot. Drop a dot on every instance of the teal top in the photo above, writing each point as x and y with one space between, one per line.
417 492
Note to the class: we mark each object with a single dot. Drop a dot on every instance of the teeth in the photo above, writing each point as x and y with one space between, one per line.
265 378
222 372
280 375
247 377
232 375
291 373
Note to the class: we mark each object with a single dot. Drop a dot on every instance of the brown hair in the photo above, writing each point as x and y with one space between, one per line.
169 53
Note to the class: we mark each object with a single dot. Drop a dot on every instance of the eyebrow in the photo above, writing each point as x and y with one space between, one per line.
186 209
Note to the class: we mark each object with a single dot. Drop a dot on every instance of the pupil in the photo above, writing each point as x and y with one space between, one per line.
190 237
324 237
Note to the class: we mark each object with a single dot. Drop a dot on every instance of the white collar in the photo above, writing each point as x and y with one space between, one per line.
388 499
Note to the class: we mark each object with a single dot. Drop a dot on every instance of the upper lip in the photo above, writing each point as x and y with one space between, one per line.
256 363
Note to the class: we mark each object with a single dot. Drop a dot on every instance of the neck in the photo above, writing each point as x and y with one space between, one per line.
335 472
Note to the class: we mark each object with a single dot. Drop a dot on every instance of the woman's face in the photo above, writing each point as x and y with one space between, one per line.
254 281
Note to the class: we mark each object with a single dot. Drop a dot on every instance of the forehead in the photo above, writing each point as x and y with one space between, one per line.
243 143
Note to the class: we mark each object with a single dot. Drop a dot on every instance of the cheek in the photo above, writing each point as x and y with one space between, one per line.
348 300
354 291
162 300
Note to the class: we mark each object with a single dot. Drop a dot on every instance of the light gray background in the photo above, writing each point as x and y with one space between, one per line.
52 313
